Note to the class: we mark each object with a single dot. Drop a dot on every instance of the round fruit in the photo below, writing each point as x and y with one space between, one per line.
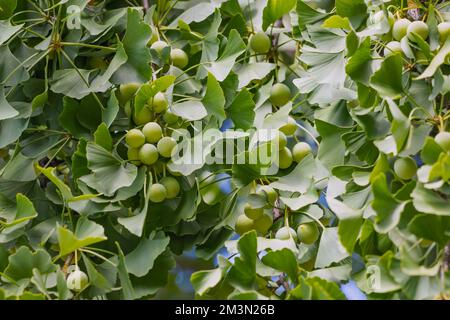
144 116
243 224
157 193
443 139
285 233
286 159
159 103
405 168
392 48
263 224
270 194
280 94
152 132
127 91
308 233
172 186
444 30
158 46
170 118
77 280
179 58
260 42
133 156
135 138
418 27
400 29
148 154
290 127
165 146
280 139
253 213
300 150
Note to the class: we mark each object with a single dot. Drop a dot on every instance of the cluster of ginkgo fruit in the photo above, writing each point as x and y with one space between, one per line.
404 31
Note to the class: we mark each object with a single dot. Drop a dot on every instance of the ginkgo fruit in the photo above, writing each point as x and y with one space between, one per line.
418 27
77 280
280 94
165 146
148 154
260 42
286 233
308 233
133 156
400 29
243 224
127 91
405 168
269 193
170 117
159 46
300 151
172 186
159 103
263 224
144 116
179 58
152 132
391 48
285 158
290 127
135 138
253 213
280 139
157 193
444 30
443 139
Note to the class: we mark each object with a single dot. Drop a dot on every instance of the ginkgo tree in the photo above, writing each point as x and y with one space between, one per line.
328 121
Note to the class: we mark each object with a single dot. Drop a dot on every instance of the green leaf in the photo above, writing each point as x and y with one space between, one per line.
355 10
204 280
330 248
241 110
348 231
283 260
191 110
64 189
86 233
308 15
16 214
243 272
8 30
103 137
437 61
429 201
275 9
24 261
7 8
388 79
337 22
127 292
214 99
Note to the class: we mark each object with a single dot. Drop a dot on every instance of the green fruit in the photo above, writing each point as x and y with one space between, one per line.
405 168
165 146
260 42
400 29
418 27
77 281
144 116
157 193
270 194
280 139
158 46
443 139
263 224
159 103
300 150
127 91
280 94
392 48
152 132
148 154
179 58
285 233
444 30
253 213
133 156
134 138
170 118
243 224
127 109
290 127
308 233
172 186
286 159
